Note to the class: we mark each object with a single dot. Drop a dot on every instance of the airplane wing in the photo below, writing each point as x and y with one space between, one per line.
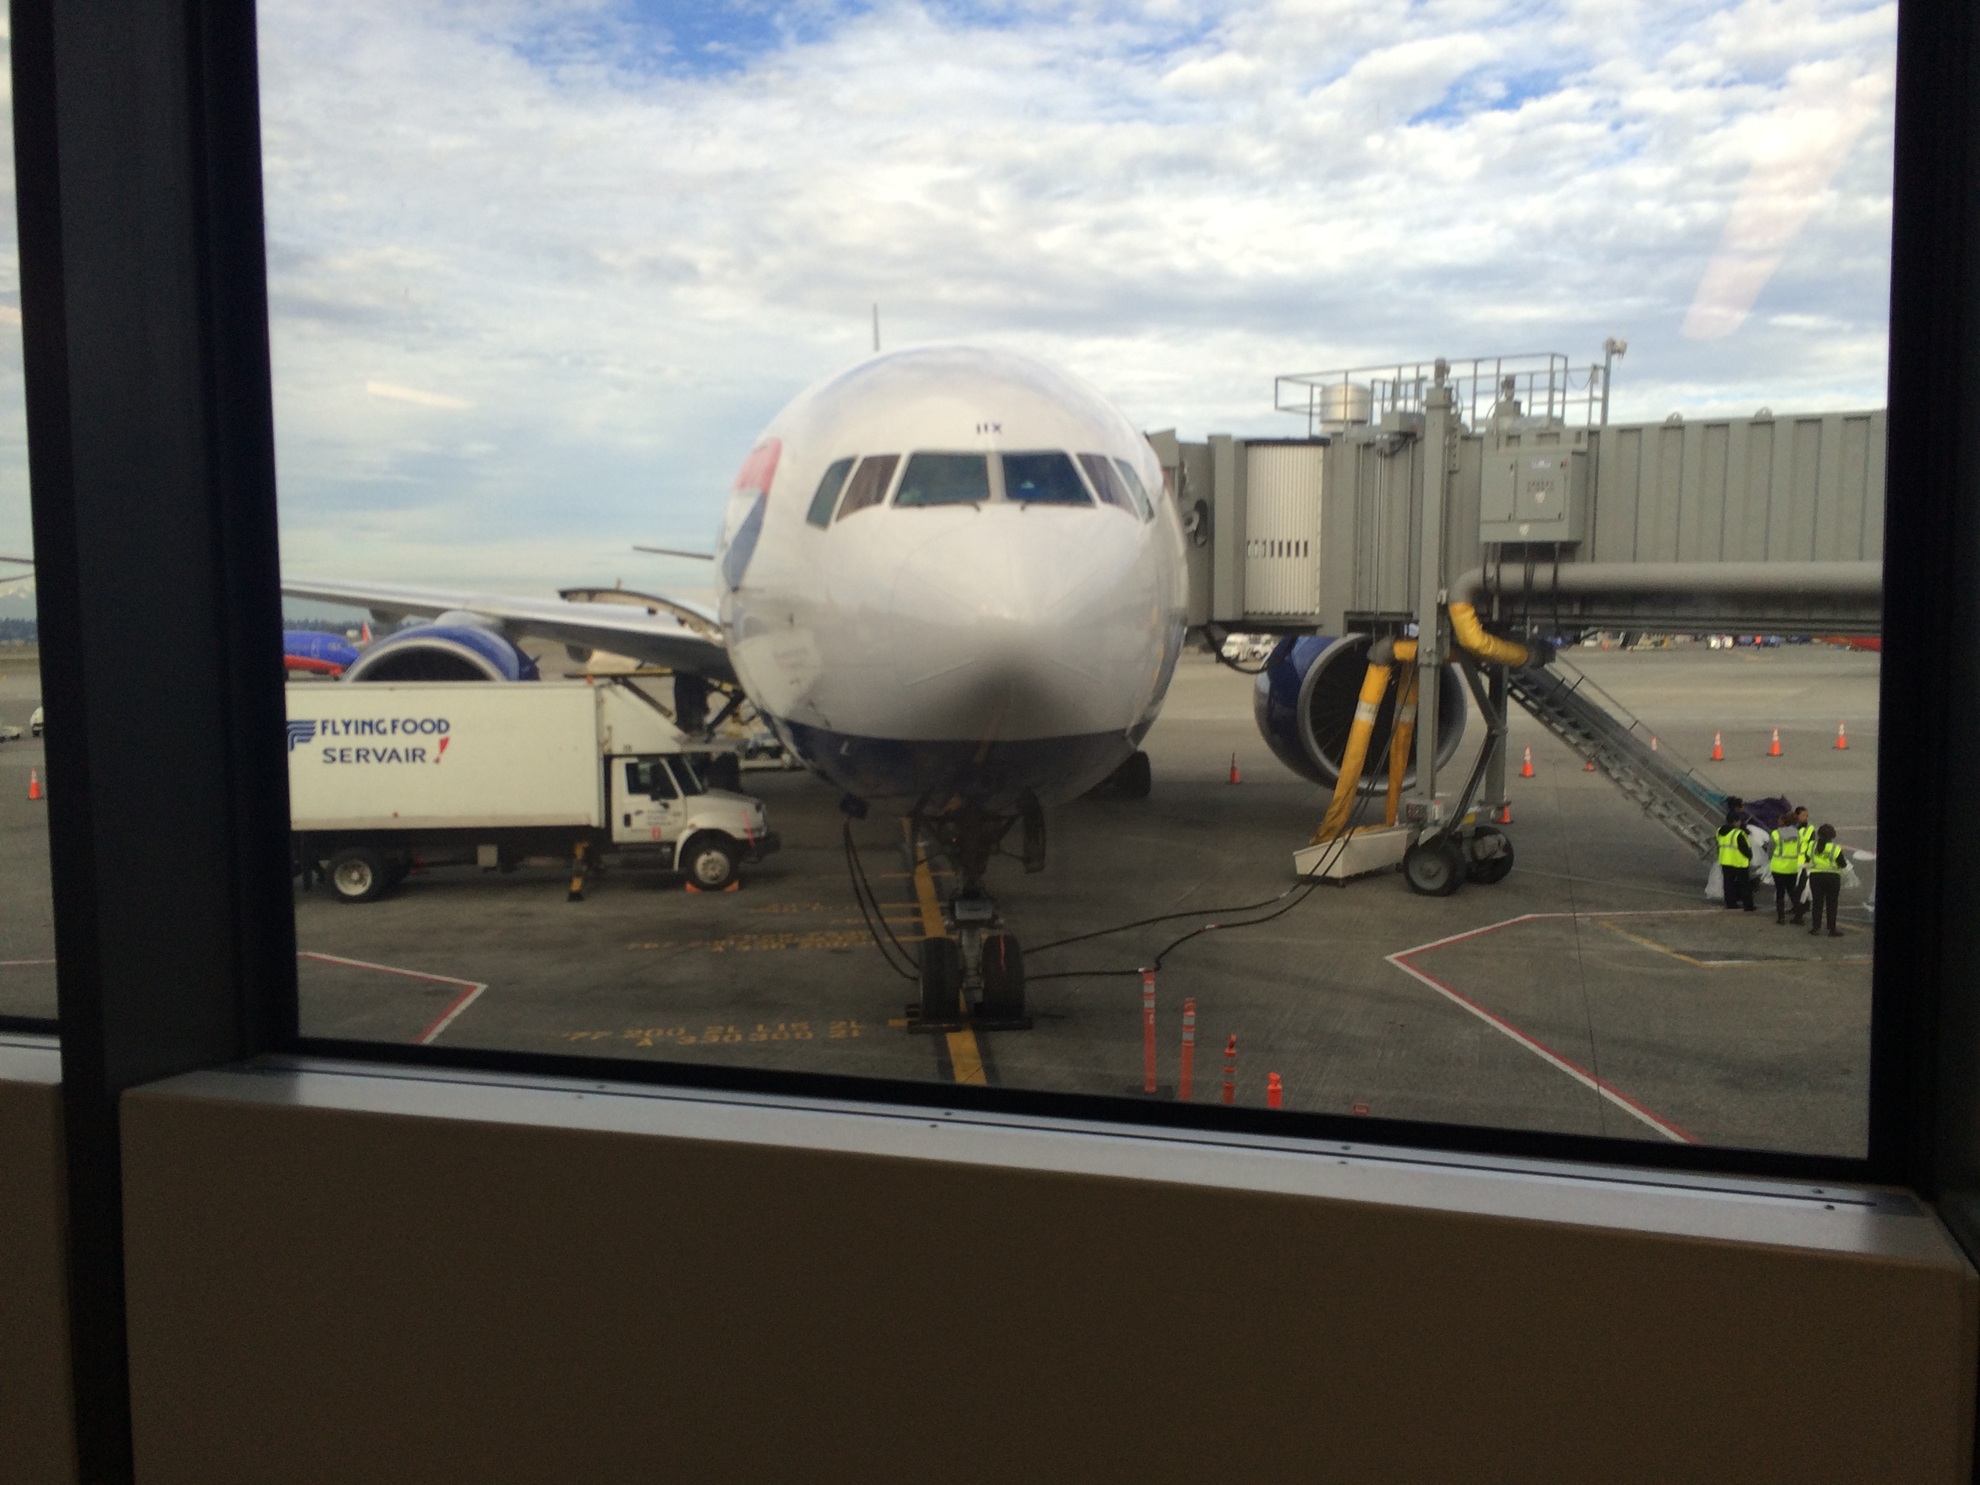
660 631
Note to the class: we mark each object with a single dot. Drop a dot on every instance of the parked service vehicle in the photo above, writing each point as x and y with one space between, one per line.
34 722
386 773
9 732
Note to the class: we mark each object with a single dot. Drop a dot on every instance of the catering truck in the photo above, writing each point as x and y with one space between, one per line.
384 775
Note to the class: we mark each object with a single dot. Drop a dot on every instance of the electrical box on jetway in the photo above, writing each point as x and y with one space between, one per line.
1534 493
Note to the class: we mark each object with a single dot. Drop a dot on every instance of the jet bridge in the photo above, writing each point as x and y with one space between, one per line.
1498 483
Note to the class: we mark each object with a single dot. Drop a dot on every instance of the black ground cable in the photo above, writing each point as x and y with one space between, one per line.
879 913
1308 883
1312 878
858 874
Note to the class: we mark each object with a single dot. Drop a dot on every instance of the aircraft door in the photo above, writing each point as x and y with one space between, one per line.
647 805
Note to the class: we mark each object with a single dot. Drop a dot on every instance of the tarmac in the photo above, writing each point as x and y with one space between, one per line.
1595 990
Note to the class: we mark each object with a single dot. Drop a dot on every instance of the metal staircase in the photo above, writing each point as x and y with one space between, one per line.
1597 727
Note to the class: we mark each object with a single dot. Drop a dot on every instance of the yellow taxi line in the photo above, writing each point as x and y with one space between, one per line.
965 1058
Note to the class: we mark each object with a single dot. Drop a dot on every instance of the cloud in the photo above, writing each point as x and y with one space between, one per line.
625 249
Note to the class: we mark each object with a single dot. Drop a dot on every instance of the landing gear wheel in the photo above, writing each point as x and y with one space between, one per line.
710 863
1434 868
1490 856
941 982
1134 778
1003 978
357 874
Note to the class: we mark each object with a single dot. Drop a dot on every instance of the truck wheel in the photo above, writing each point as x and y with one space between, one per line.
357 874
710 862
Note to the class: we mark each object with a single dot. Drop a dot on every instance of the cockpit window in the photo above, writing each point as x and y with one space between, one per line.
1140 490
869 483
822 502
1108 482
1043 479
945 479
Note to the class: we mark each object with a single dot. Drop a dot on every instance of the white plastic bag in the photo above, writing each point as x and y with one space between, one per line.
1849 877
1715 884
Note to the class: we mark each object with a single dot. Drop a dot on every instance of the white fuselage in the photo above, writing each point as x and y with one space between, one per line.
975 650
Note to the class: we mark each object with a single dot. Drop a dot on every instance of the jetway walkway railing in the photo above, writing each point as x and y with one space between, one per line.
1602 731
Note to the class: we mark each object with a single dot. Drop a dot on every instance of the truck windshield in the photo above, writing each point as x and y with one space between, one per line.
684 773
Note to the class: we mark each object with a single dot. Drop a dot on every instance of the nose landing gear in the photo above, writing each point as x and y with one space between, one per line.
972 972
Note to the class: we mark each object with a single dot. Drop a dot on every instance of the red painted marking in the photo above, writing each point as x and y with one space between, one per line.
443 749
470 991
1533 1044
760 467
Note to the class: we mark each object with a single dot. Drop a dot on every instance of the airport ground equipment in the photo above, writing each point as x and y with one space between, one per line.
1470 505
486 773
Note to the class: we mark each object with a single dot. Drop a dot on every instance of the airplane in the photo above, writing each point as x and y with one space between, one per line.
950 582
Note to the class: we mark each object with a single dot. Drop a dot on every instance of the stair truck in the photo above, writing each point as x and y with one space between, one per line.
388 774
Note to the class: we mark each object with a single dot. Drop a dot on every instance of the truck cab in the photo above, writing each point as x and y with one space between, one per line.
659 800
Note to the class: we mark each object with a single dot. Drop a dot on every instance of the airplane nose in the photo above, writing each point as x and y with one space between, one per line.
996 624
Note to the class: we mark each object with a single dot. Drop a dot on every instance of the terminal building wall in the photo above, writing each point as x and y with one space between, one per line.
363 1275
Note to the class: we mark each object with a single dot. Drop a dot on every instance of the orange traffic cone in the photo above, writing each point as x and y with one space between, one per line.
1236 777
1589 766
1774 747
1275 1091
34 784
1505 814
1718 749
1842 738
1526 768
1653 742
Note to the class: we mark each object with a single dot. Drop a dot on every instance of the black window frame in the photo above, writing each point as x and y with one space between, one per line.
151 450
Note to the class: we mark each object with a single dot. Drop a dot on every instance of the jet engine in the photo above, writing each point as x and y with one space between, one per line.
1304 703
453 647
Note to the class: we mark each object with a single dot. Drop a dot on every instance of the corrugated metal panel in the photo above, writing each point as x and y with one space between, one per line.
1283 507
1741 490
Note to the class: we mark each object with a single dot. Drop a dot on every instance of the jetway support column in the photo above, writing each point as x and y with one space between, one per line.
1430 648
1495 769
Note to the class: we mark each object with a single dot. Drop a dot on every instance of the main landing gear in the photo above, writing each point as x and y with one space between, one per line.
972 972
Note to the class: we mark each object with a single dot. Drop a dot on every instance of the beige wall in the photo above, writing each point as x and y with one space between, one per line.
421 1286
37 1426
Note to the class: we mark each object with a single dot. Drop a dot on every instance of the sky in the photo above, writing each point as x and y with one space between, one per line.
540 269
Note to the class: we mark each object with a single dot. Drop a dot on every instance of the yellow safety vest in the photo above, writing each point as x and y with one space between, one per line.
1788 854
1734 848
1826 859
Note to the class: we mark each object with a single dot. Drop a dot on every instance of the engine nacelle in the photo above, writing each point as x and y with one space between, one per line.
454 647
1304 703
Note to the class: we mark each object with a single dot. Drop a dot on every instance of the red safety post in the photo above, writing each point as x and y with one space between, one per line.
1275 1091
1230 1071
1186 1078
1148 1031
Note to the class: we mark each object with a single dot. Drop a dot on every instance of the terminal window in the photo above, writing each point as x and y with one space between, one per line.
980 782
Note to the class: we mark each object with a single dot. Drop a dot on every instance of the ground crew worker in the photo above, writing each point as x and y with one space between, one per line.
1807 833
1790 845
1825 869
1736 856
